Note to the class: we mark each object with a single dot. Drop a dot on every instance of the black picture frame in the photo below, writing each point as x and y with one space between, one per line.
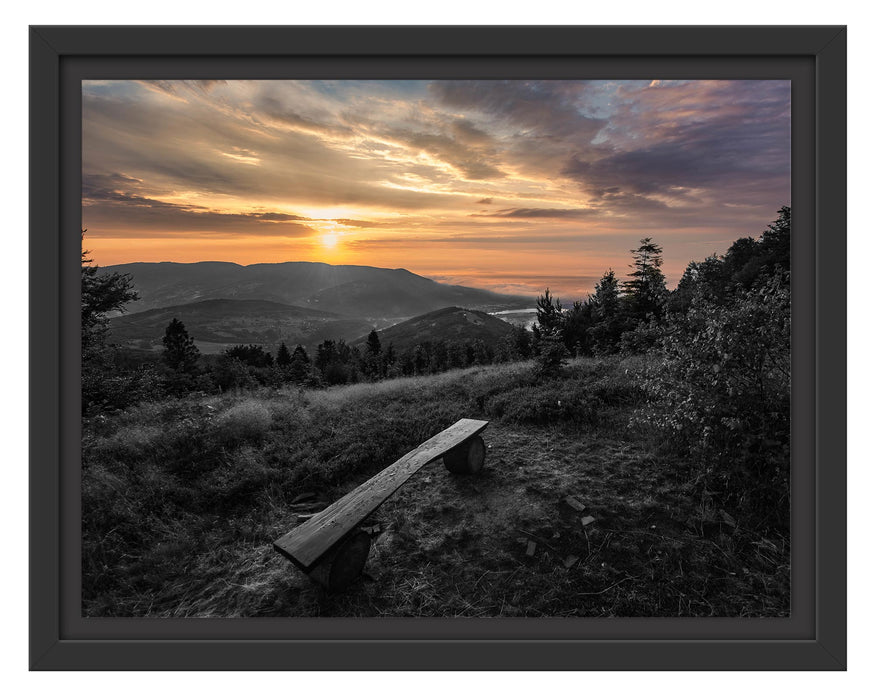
812 57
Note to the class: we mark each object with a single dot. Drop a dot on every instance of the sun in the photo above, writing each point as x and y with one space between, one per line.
330 240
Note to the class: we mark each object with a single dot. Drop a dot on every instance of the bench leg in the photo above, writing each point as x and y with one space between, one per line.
343 564
466 458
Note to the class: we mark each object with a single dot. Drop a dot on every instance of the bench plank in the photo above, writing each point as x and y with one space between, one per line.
305 544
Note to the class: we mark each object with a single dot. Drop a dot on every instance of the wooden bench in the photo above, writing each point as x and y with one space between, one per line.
331 549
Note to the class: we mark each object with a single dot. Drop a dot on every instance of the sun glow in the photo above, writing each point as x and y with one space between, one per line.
329 240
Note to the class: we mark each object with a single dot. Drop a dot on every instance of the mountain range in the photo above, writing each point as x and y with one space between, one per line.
217 323
353 291
223 304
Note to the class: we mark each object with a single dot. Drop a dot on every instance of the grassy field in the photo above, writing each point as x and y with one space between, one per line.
182 499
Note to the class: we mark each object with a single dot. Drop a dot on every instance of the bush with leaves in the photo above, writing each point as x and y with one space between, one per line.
721 393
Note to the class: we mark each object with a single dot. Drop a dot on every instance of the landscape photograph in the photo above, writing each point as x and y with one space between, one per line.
421 348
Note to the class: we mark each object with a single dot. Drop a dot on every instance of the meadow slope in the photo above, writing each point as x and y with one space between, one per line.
182 500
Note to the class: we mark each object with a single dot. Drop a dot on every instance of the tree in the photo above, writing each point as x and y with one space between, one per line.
548 331
181 353
374 355
521 342
300 364
747 264
646 289
551 354
103 386
251 355
99 295
389 357
607 322
283 357
374 347
607 296
420 359
775 240
549 314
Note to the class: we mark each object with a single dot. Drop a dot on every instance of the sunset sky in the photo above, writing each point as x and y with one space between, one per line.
507 185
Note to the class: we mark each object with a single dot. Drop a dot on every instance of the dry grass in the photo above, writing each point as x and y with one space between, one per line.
179 521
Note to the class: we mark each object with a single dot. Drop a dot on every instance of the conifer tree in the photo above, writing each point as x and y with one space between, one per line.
283 356
181 353
549 314
646 291
374 347
101 293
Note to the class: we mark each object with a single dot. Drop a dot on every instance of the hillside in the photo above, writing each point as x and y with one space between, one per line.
220 477
216 323
374 293
452 324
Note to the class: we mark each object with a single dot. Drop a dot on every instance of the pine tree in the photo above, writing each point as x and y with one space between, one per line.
181 353
373 363
548 331
522 343
389 357
549 314
606 296
300 364
374 347
283 358
646 291
300 355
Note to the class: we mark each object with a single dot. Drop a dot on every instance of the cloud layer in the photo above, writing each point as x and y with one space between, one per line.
470 179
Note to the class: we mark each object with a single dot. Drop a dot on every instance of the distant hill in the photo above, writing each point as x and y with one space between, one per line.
452 324
354 291
217 323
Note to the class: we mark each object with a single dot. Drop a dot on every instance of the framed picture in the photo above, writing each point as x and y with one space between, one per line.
281 274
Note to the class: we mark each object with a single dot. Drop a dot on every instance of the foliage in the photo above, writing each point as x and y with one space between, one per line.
603 334
549 335
722 395
230 373
251 355
101 293
646 292
283 356
551 354
549 315
248 420
103 388
746 264
181 357
374 346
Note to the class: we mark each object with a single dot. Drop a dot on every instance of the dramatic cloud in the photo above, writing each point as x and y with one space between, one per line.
531 180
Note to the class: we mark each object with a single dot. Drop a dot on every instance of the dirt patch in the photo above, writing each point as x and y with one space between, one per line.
457 546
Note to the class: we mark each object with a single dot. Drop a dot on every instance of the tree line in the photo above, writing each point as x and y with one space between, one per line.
333 362
635 315
718 384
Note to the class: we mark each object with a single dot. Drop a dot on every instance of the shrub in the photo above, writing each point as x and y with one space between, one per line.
231 373
248 420
545 404
721 394
108 388
643 338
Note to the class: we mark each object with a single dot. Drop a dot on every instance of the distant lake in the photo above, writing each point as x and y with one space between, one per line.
517 317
